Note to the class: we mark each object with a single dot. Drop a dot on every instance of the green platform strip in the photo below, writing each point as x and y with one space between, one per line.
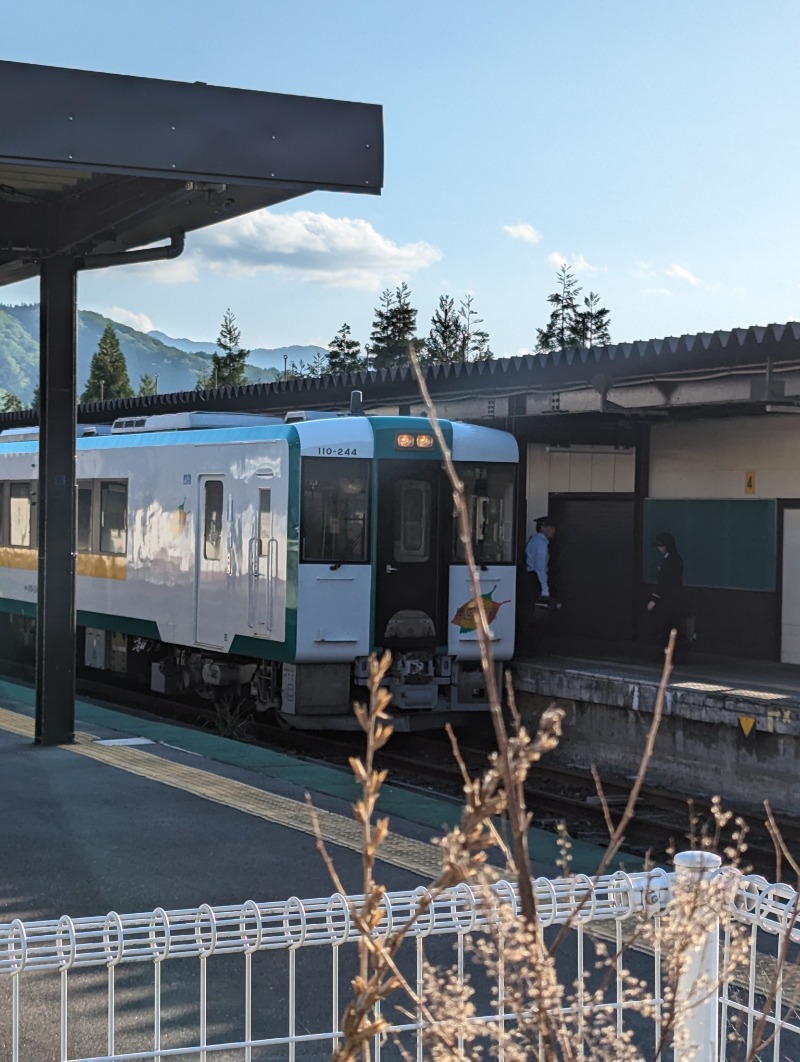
336 782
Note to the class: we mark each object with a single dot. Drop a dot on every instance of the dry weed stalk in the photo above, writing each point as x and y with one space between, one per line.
548 1021
378 975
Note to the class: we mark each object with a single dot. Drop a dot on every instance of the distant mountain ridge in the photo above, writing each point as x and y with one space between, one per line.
175 362
261 357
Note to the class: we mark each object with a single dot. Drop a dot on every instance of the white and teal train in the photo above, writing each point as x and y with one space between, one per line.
241 555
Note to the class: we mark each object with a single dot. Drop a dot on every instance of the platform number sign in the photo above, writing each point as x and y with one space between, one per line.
749 482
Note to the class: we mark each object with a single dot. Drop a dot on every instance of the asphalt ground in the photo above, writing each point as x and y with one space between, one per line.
139 814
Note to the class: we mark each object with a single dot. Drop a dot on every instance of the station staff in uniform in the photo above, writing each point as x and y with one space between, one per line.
537 561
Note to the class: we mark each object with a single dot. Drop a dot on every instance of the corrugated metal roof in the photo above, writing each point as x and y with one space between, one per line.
600 368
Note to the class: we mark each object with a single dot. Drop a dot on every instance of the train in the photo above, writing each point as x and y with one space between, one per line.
259 559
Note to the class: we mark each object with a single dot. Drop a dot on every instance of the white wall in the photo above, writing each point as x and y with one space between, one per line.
709 459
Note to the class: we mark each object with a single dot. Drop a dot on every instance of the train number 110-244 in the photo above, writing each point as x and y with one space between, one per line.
337 451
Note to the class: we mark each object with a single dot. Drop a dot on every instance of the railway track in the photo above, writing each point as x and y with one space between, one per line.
664 822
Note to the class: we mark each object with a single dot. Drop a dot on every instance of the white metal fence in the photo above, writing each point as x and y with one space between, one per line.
269 980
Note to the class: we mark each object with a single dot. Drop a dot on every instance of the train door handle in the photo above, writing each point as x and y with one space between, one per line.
389 569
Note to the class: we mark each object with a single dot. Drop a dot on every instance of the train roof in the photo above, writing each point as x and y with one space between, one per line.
189 421
316 432
82 431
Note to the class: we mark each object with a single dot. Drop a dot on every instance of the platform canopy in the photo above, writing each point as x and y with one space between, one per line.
94 163
102 169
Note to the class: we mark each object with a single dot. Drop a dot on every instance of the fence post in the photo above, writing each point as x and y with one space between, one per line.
697 991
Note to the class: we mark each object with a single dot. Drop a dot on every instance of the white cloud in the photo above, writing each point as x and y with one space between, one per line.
341 252
680 272
523 231
580 265
643 270
576 263
140 321
665 292
183 270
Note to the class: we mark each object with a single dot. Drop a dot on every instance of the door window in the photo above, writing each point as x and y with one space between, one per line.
412 507
212 525
84 535
113 517
489 497
334 522
264 521
20 515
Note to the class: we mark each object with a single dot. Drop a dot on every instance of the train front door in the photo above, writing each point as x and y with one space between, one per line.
213 562
414 530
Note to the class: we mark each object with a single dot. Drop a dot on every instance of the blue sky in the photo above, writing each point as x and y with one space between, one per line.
654 148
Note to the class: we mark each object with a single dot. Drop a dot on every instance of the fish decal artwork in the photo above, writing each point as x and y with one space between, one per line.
466 617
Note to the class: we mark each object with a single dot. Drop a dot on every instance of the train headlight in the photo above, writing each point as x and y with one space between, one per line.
404 440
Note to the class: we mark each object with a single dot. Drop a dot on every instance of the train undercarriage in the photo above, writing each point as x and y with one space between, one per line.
428 689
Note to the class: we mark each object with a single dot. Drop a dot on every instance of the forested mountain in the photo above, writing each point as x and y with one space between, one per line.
176 369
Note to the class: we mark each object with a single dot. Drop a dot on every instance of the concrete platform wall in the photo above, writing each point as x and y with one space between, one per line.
710 742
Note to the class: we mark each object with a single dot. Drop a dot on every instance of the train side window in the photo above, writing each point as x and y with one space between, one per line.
412 507
3 520
84 529
489 497
113 516
334 515
264 521
20 515
212 524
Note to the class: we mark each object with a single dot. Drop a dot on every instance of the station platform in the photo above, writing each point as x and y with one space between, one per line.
139 813
729 728
759 694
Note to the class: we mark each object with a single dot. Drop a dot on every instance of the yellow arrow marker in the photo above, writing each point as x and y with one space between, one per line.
747 722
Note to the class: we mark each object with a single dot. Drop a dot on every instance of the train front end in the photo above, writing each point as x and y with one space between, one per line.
423 607
382 566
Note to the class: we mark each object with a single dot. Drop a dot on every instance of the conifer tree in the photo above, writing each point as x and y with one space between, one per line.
444 342
344 353
474 339
11 404
594 322
561 332
393 329
456 335
148 385
228 368
108 373
569 325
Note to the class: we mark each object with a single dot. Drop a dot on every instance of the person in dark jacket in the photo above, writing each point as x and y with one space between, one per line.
666 601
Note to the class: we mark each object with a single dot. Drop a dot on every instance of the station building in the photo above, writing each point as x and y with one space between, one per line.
698 436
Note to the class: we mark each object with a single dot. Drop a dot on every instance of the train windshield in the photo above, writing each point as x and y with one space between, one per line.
335 511
489 495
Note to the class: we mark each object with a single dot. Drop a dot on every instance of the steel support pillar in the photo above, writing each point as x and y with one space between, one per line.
55 625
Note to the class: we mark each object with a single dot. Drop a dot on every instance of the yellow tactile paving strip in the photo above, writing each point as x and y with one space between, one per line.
403 852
